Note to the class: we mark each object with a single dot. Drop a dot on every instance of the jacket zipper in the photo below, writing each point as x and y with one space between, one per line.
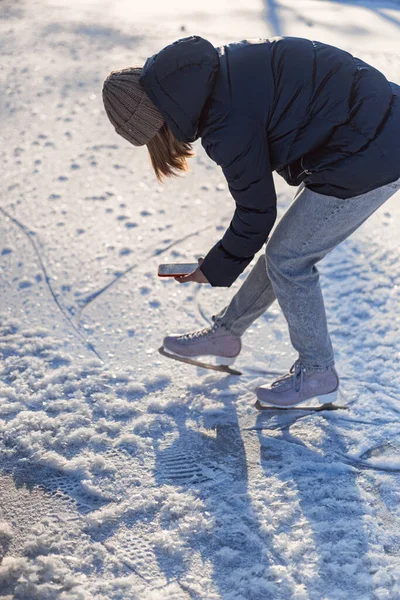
306 171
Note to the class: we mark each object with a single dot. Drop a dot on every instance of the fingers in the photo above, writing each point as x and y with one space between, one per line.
197 276
184 278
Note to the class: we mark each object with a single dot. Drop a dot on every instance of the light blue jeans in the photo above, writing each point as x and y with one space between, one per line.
313 225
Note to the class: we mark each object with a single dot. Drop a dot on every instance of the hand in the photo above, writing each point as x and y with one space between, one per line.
197 276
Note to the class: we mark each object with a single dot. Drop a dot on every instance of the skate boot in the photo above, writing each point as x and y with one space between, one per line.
214 341
298 386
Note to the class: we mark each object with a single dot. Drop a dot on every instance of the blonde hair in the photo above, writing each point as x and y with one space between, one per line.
168 155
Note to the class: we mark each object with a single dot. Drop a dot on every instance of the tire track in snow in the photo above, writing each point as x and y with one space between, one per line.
150 256
360 464
29 235
94 295
199 308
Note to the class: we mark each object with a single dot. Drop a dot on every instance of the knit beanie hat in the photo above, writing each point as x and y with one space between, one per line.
129 108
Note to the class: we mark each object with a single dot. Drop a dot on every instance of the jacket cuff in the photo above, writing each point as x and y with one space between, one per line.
221 268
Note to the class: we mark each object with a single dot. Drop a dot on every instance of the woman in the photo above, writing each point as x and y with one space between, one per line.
324 120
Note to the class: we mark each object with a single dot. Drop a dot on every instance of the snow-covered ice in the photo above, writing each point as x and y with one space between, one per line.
127 476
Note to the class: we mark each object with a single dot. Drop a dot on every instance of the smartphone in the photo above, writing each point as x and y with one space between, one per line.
176 270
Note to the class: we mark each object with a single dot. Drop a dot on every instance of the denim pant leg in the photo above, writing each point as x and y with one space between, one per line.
252 299
312 227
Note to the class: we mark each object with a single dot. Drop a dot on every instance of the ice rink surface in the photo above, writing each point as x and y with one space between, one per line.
127 476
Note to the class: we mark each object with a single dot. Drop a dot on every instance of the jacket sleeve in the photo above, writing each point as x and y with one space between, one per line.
247 170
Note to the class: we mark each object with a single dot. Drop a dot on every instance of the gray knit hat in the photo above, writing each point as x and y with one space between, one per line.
129 108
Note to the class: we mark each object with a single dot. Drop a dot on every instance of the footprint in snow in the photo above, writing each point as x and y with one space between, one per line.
154 303
25 283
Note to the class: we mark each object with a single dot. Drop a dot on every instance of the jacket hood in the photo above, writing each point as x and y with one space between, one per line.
179 80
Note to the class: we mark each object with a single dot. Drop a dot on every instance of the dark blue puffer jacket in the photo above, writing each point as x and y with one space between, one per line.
307 110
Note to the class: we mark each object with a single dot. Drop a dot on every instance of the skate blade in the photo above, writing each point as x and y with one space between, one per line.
197 363
326 406
224 361
327 402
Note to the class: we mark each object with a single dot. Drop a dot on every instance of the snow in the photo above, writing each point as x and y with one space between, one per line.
127 476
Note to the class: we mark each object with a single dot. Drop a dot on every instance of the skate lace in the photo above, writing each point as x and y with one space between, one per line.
294 379
200 333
